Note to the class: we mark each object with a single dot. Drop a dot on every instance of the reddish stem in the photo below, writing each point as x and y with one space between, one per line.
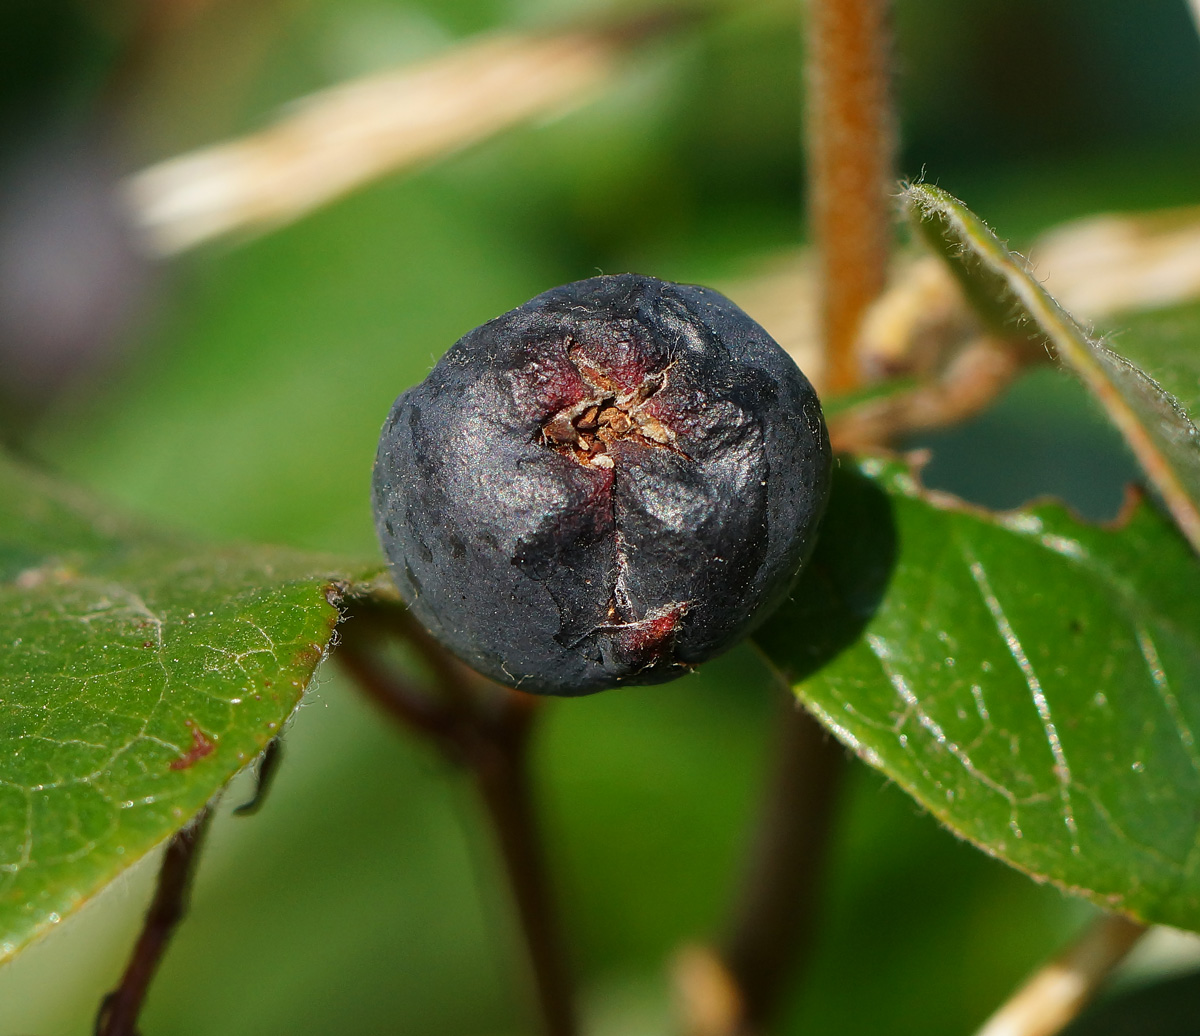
487 730
774 921
119 1012
501 771
851 146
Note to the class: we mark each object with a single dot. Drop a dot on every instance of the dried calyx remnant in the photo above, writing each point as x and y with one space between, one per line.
585 429
604 486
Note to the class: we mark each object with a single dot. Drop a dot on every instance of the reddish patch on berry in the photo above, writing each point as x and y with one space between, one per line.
644 643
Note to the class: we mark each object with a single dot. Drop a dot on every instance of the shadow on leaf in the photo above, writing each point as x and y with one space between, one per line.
844 583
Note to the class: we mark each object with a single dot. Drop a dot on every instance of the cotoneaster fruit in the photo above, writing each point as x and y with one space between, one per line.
607 485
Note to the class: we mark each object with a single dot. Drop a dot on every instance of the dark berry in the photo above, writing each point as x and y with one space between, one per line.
606 485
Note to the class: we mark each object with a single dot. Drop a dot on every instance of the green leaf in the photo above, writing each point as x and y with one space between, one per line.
1165 343
1030 679
138 674
1156 425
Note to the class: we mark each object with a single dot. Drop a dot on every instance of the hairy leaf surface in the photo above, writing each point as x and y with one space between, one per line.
1165 343
138 673
1158 426
1032 680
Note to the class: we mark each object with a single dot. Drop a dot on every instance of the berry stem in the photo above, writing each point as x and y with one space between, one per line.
486 730
501 771
119 1010
776 915
851 148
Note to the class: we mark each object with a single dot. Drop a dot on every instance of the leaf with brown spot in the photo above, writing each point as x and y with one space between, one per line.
137 676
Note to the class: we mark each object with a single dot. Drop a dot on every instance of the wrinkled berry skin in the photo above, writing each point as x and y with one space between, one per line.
604 486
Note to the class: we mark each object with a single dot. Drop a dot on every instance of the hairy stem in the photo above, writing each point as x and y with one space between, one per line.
119 1012
1055 994
774 920
851 146
486 730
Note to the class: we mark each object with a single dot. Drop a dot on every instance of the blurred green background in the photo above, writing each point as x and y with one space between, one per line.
238 393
